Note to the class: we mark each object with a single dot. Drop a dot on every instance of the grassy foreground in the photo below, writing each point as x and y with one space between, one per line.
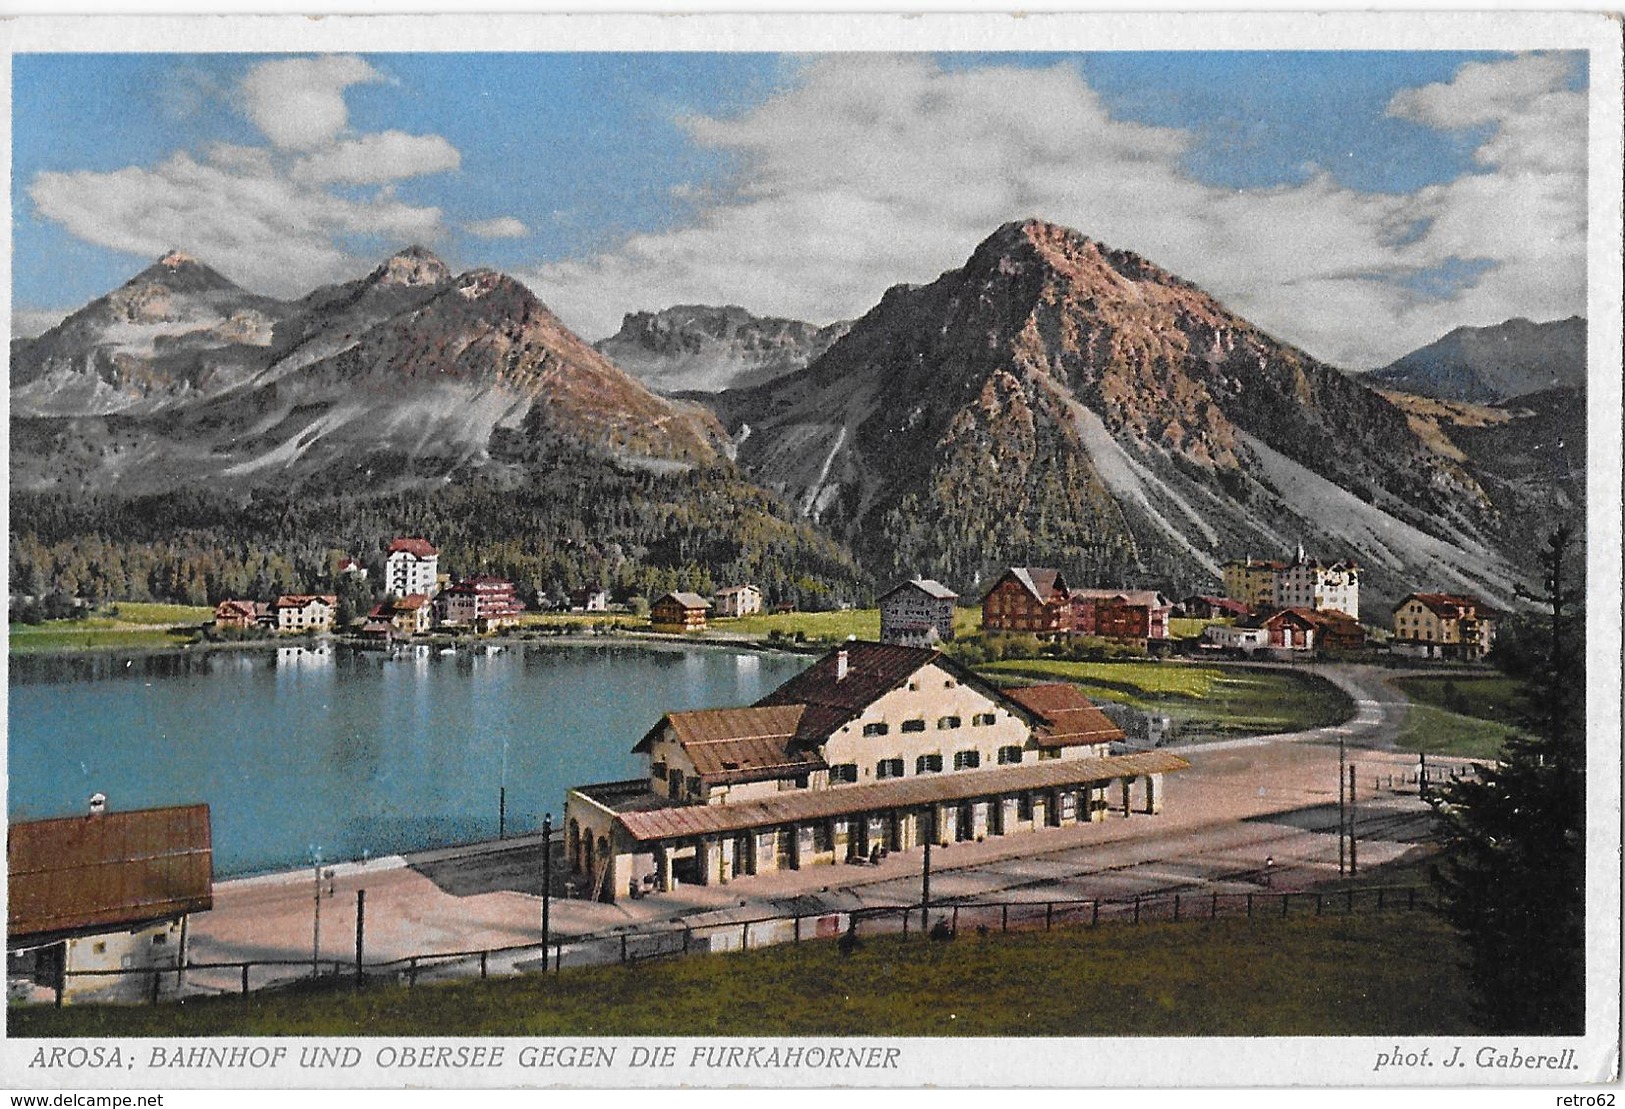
1212 701
1390 974
127 625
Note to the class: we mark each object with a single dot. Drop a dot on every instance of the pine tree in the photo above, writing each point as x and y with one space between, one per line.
1513 873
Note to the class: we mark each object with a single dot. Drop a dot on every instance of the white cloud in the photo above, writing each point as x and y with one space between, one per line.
299 102
378 158
265 230
875 170
502 227
268 216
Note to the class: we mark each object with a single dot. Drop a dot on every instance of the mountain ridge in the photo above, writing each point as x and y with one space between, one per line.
1055 400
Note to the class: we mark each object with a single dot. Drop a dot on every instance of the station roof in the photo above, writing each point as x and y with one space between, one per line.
795 806
108 870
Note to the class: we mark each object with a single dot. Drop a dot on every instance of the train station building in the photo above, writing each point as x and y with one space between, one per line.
875 748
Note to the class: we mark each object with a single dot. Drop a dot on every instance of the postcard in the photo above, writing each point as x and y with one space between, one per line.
563 552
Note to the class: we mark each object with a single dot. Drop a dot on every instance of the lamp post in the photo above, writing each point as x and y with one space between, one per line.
925 875
316 932
547 880
1342 808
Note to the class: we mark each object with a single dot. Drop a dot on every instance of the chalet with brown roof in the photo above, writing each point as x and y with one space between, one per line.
1121 614
105 892
679 612
401 618
1443 625
239 614
1033 600
874 748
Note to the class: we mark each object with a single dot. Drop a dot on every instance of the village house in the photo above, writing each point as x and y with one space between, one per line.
107 891
403 617
1251 581
241 615
349 567
1302 583
302 612
1205 606
1122 614
412 566
1028 599
1443 625
483 604
875 748
1321 586
917 613
738 600
590 599
1243 637
679 612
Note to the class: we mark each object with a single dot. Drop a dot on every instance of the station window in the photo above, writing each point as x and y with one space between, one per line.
1009 755
876 729
844 772
945 722
159 939
914 725
983 719
928 764
674 783
1049 752
967 760
658 771
889 768
1024 807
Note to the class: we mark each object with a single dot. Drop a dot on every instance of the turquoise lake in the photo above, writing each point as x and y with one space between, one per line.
355 753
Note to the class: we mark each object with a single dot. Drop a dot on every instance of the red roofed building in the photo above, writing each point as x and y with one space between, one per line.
301 612
1122 614
239 614
483 604
874 748
411 566
1443 625
106 891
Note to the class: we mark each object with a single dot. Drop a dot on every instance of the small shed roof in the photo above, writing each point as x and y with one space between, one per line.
108 869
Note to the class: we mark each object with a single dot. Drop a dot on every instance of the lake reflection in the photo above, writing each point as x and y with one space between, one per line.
355 752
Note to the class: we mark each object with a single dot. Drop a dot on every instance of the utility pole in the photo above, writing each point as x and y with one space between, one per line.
1354 857
547 880
316 933
360 933
925 877
1342 808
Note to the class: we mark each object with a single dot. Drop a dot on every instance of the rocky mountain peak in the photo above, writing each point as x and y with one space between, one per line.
414 266
176 258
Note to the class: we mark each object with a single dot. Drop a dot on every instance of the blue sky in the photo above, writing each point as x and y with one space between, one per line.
1357 203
